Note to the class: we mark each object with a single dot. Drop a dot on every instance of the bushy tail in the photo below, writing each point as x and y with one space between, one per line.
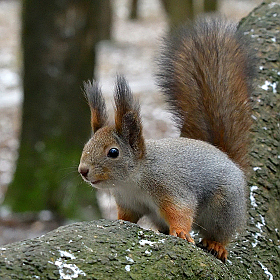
205 72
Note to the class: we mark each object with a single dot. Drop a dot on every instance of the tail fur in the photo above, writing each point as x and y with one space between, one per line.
205 72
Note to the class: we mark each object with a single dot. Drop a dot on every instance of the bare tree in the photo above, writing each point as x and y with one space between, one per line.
58 40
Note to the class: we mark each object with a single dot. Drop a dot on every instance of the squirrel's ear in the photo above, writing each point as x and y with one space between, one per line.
97 105
127 117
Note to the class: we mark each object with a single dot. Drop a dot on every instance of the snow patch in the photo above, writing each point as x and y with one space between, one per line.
127 267
12 98
129 259
258 234
148 253
257 168
270 276
9 78
268 84
99 226
252 197
272 4
66 270
144 242
67 255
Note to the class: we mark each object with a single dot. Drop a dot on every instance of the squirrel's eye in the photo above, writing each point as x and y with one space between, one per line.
113 153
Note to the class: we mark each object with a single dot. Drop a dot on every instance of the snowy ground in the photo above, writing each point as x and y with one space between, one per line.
131 52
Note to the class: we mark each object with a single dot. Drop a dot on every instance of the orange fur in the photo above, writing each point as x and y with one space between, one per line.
127 215
178 217
97 105
215 248
206 74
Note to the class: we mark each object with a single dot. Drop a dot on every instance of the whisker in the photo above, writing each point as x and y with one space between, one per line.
200 226
69 168
68 175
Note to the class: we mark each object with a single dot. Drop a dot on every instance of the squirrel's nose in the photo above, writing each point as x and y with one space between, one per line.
83 171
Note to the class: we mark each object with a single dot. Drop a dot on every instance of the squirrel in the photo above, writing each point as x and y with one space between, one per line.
196 181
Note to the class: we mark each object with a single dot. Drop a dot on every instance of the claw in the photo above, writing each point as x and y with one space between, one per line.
182 234
215 248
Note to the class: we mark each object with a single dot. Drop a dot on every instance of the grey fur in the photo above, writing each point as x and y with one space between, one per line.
194 174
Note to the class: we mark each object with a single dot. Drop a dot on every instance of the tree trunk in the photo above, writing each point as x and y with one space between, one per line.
184 10
210 6
103 12
134 9
119 250
110 250
58 39
259 246
178 12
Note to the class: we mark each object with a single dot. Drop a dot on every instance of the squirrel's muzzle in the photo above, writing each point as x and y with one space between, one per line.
83 170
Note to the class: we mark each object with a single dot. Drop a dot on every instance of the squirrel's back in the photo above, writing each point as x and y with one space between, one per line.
202 164
205 71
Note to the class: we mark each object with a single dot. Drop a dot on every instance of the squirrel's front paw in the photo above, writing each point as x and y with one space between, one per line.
215 248
182 234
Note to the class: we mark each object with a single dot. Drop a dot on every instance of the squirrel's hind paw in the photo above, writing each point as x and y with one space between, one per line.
215 248
182 234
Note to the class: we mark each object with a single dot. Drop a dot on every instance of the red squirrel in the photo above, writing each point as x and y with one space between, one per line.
196 181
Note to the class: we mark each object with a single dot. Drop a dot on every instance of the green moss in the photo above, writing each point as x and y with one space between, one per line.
112 250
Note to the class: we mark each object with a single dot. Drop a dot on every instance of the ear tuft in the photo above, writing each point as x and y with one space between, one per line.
124 102
97 105
127 117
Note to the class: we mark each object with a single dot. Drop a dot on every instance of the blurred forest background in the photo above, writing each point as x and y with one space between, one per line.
47 50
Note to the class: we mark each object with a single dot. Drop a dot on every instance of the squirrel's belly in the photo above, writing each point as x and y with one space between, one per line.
136 199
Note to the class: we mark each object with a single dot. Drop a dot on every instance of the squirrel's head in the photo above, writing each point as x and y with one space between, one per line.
113 152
